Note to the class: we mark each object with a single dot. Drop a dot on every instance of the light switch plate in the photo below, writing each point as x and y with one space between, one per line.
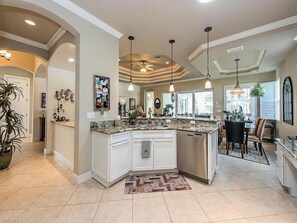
90 115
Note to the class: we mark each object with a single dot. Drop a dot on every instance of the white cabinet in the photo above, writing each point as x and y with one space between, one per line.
139 163
120 160
164 154
111 156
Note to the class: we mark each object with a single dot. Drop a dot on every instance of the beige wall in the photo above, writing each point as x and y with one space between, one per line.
217 84
123 91
288 68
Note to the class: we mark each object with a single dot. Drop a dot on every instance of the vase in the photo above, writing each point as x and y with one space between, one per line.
5 159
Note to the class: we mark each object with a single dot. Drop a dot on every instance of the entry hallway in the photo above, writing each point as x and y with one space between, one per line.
40 189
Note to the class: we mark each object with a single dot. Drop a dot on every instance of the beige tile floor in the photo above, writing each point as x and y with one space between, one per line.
38 189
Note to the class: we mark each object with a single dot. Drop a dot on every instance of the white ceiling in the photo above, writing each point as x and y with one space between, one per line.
154 22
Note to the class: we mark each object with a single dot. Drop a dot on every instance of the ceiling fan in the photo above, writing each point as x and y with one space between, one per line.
143 66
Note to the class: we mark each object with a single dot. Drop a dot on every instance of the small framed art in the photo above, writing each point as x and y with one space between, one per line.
101 93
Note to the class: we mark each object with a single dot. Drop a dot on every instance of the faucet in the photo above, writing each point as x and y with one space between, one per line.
150 112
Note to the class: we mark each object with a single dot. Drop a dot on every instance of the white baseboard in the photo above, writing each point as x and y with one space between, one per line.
47 151
84 177
63 160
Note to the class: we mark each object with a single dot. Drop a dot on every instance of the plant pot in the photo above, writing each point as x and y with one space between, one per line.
5 159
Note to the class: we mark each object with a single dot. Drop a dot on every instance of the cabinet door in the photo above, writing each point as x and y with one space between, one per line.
139 163
120 160
164 154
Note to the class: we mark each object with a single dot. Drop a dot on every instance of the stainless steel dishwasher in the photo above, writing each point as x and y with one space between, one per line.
192 154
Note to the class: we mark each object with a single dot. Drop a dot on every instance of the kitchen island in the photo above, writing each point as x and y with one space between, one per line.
140 149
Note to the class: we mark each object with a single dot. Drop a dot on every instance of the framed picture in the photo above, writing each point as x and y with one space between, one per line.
43 100
132 103
101 93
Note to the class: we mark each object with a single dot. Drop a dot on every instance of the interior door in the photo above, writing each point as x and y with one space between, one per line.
21 106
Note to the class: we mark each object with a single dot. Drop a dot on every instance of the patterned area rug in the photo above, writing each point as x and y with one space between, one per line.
155 183
253 154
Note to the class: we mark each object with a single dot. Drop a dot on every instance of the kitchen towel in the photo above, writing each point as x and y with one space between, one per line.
146 149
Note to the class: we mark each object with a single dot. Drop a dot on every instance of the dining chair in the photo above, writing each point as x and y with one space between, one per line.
254 133
257 139
235 134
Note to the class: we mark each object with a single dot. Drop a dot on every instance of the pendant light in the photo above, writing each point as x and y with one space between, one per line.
171 86
237 89
207 83
131 87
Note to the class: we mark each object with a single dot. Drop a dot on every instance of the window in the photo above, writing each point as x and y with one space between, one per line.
241 101
203 103
269 103
195 103
168 100
149 100
185 104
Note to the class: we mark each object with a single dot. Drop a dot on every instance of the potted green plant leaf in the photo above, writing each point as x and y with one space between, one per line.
133 116
257 91
168 109
11 122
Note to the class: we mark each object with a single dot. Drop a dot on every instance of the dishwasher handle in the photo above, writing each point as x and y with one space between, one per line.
189 135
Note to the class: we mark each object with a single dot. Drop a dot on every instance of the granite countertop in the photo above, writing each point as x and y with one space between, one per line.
179 118
287 144
113 130
65 123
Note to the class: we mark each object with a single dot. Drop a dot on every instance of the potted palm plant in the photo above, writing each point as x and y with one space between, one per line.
11 122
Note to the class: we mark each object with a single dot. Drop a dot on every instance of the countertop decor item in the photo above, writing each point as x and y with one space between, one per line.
11 128
207 82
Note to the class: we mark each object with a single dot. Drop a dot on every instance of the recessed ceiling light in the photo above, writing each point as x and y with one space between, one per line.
71 60
235 49
205 1
167 62
30 22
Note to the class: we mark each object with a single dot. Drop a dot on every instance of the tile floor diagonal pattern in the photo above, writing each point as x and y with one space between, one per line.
37 189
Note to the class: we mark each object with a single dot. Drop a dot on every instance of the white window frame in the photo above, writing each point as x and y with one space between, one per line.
251 85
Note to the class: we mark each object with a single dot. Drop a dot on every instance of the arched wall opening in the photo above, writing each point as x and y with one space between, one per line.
61 79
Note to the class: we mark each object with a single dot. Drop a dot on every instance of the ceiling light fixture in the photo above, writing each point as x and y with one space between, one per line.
71 60
171 86
5 54
143 69
167 62
235 49
205 1
131 87
30 22
237 89
207 83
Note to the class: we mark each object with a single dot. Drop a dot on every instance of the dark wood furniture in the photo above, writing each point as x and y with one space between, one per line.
235 134
41 128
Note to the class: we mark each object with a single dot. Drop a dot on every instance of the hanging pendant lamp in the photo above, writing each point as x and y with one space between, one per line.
131 87
171 86
207 83
237 89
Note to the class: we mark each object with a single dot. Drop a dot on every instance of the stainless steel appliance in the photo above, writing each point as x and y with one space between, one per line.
192 154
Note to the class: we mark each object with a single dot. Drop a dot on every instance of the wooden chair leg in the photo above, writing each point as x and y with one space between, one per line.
255 145
242 150
227 147
260 148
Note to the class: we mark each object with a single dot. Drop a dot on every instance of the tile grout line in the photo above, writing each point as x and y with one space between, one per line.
98 206
167 207
201 207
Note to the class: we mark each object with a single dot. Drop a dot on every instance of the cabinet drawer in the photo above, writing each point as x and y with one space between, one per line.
119 137
153 134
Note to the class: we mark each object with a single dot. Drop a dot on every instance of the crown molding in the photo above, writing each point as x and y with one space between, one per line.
22 40
250 68
69 5
56 37
245 34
